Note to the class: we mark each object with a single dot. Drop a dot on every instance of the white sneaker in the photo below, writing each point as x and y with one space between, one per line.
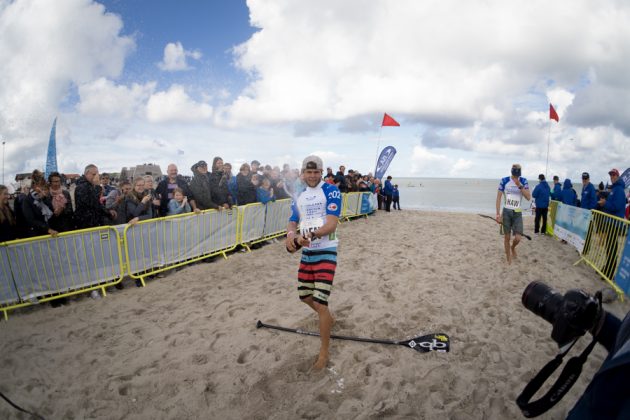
95 294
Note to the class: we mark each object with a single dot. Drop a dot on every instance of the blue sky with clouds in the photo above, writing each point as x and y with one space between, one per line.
140 81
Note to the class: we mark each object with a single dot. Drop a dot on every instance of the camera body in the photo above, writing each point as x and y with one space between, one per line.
571 315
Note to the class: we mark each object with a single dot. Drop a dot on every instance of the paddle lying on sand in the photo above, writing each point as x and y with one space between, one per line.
495 220
423 344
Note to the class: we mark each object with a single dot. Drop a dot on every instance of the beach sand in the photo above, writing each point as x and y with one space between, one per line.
186 346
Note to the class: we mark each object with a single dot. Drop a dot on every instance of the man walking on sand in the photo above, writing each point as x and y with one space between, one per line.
317 211
512 189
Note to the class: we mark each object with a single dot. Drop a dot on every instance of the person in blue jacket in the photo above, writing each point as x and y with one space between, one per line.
396 197
556 194
615 205
568 195
589 195
607 396
388 192
541 197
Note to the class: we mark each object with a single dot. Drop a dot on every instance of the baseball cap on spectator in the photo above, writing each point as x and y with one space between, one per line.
202 163
541 177
585 175
312 162
613 171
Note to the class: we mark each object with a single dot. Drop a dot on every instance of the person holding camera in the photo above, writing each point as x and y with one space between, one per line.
572 315
138 203
512 189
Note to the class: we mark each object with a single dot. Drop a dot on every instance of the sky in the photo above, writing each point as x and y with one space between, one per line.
139 81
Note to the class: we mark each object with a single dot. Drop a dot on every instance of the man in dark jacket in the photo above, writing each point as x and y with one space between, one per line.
166 186
200 186
589 195
89 211
340 180
388 192
557 189
541 197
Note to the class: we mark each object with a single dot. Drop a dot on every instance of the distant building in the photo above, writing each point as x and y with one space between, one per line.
141 170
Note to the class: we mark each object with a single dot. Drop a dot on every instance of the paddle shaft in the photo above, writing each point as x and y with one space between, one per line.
260 324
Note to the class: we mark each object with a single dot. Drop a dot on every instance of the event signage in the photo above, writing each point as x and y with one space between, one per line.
623 272
572 225
386 157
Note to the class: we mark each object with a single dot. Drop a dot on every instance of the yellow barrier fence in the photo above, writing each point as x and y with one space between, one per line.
157 245
551 216
45 268
604 246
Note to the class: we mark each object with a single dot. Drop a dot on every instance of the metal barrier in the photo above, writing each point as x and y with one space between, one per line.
604 246
262 222
551 217
157 245
46 268
357 204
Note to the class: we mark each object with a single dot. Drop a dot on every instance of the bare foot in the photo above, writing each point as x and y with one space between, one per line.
322 361
514 253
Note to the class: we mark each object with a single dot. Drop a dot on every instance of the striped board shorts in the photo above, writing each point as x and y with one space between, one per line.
316 273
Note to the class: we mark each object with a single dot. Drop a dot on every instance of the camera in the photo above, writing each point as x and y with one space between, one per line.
571 315
516 171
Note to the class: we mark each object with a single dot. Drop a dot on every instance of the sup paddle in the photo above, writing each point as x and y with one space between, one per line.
423 344
495 220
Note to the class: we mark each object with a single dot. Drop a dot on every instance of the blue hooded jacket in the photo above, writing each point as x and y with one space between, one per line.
589 197
541 194
568 196
616 201
557 192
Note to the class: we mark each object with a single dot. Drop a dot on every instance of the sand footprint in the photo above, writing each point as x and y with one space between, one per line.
244 356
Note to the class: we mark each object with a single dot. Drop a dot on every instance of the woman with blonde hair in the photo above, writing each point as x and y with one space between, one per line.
7 218
138 203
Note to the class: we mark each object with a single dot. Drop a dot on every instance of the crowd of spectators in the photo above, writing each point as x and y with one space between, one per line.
51 206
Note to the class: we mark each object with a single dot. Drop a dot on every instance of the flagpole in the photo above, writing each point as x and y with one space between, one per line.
378 145
548 141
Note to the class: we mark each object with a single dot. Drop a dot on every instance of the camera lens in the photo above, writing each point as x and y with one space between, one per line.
542 300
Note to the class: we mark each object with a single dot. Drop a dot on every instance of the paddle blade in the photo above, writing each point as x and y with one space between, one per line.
426 343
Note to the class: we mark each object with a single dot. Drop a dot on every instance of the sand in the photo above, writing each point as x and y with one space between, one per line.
186 346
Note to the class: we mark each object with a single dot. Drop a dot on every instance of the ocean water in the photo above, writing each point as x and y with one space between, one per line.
461 195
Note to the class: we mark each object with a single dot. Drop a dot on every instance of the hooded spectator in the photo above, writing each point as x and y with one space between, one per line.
568 195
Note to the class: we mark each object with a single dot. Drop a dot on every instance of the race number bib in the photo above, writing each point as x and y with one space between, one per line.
512 201
311 225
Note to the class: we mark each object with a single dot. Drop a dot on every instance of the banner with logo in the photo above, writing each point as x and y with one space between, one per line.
623 272
386 157
572 225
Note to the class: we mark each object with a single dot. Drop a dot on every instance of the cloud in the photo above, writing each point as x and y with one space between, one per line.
175 57
45 49
176 105
103 97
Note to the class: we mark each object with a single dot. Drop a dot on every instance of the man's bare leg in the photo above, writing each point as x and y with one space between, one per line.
310 302
517 239
506 244
325 325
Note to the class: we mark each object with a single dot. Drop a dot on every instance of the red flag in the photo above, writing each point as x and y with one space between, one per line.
389 122
553 115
